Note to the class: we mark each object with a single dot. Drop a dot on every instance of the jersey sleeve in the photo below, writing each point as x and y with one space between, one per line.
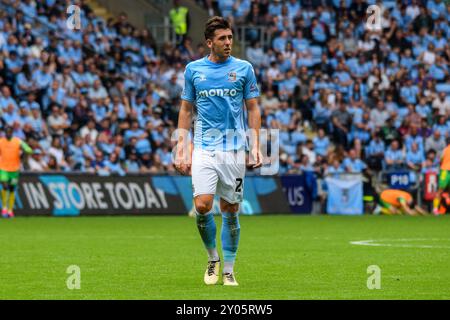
251 89
26 147
189 89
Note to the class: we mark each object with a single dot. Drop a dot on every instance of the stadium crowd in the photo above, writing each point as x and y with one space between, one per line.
105 98
345 96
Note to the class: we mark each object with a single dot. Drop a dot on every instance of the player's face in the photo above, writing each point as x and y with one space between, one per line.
222 43
9 133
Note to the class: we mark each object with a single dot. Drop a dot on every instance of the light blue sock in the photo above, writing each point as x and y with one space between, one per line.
207 228
230 239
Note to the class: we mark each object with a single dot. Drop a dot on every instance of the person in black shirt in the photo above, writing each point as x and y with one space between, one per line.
423 20
358 10
341 121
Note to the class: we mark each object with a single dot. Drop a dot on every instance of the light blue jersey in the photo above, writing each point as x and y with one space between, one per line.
218 91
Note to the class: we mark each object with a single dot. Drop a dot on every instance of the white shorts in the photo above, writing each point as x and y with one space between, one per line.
219 172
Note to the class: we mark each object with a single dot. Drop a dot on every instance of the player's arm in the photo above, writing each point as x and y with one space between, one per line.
25 147
254 123
405 208
420 210
251 94
182 154
393 210
188 97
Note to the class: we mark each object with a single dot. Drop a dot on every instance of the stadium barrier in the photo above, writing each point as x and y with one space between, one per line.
62 194
247 34
163 33
74 194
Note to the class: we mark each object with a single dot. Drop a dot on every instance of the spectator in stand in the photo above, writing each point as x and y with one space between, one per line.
442 104
76 158
132 163
435 142
308 150
341 121
113 166
316 59
379 115
414 158
58 121
6 99
335 168
89 130
394 157
353 164
57 152
431 162
53 164
10 115
422 108
36 163
97 91
321 143
256 55
145 163
375 152
173 88
270 102
442 126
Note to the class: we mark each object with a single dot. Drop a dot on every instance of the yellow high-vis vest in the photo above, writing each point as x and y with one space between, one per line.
178 17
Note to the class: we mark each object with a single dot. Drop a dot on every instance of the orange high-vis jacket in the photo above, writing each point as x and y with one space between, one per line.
10 154
445 163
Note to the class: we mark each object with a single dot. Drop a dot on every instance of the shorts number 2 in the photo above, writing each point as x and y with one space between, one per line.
239 184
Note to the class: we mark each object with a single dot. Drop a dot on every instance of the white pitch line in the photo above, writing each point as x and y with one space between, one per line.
376 243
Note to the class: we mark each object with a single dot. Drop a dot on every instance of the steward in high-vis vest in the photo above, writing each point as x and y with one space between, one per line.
179 18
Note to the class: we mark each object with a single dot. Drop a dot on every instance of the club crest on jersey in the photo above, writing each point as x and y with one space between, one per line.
232 76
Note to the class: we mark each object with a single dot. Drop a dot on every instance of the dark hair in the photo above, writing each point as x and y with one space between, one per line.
213 24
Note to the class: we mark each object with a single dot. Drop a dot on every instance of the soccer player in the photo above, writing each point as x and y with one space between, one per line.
444 179
393 201
217 85
9 169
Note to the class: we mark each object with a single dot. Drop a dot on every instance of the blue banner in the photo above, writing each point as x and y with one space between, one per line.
300 191
400 180
345 196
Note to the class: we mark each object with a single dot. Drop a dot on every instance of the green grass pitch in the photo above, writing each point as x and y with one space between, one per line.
280 257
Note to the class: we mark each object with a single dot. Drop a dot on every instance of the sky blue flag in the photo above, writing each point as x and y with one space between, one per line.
345 197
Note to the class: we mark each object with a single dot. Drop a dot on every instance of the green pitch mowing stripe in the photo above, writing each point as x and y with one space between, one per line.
280 257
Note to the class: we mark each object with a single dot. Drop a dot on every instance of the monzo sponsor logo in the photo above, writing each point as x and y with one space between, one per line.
217 93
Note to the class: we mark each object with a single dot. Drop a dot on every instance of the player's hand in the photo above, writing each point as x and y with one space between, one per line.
256 158
182 166
184 169
183 160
